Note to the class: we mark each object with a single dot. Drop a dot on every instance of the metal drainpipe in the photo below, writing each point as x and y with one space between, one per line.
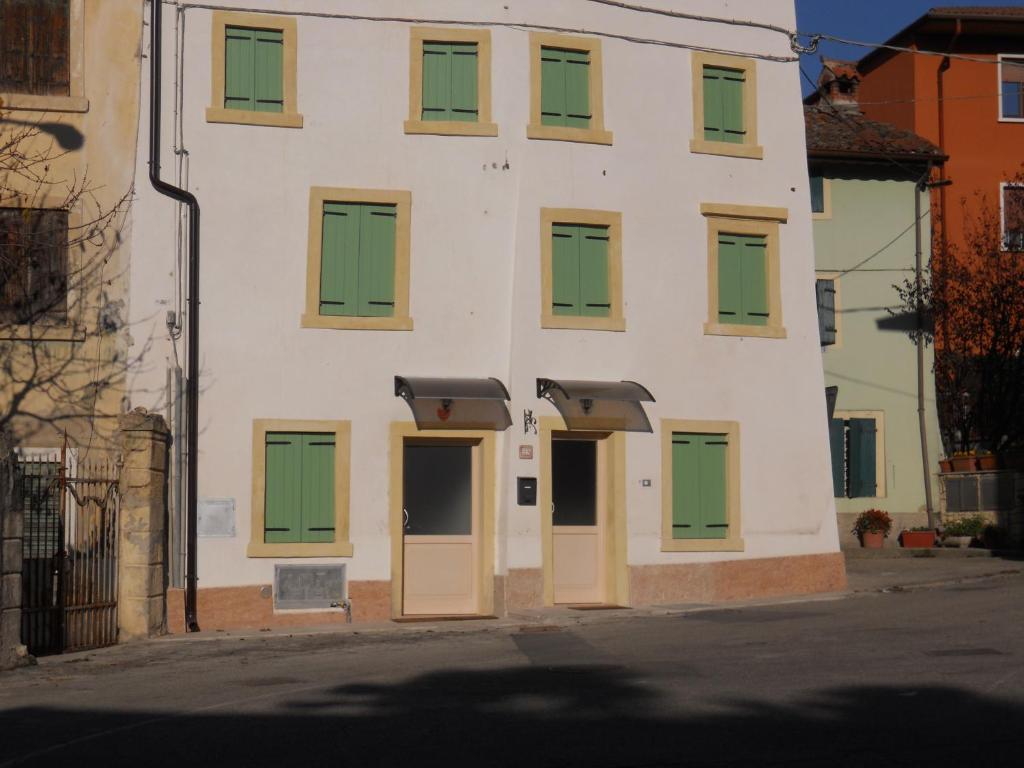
192 380
940 96
919 187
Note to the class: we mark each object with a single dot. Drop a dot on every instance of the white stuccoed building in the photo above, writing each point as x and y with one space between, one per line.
480 196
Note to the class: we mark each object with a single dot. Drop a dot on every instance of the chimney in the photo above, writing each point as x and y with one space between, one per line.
839 83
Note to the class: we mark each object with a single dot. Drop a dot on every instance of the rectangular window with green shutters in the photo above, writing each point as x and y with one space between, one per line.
855 445
579 270
723 105
357 270
450 81
742 279
565 88
299 501
699 487
254 69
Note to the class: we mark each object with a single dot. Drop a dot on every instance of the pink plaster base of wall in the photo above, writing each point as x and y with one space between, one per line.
523 589
736 579
247 608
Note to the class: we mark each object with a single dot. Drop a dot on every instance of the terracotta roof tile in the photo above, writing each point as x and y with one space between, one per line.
977 10
834 130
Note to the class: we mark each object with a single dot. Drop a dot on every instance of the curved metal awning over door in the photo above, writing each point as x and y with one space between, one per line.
453 403
603 405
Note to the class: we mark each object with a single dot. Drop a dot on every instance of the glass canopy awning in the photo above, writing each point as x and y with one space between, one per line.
454 403
604 405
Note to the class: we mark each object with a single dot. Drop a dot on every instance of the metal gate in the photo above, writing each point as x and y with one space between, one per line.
69 565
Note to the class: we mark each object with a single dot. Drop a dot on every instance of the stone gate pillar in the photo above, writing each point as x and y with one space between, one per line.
12 652
142 526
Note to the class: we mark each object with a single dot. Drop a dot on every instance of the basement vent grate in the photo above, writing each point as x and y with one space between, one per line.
309 587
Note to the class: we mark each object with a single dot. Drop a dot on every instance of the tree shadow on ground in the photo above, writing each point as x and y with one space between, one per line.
531 716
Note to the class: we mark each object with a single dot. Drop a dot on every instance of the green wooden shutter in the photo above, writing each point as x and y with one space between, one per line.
239 77
377 260
464 106
732 106
317 488
339 259
730 279
714 521
723 105
593 281
269 69
825 295
577 89
437 80
283 488
837 446
754 289
565 269
817 194
552 86
863 482
685 486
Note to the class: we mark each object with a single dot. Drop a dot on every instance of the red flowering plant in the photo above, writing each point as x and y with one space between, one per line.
872 521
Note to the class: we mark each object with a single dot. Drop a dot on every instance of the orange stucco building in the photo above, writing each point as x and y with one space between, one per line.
972 108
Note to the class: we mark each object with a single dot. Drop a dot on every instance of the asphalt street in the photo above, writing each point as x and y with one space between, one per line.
922 677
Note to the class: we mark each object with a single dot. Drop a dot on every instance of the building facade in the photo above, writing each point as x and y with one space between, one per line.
69 95
970 104
864 178
486 322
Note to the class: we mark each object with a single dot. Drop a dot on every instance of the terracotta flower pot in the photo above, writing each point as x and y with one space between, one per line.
963 463
945 465
988 461
872 540
918 539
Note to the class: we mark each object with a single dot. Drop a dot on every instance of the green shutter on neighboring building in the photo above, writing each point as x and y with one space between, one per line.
450 82
723 105
565 88
699 487
742 279
579 270
299 488
837 446
254 69
817 193
357 260
862 458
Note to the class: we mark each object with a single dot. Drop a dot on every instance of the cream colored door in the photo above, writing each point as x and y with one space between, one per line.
577 503
440 489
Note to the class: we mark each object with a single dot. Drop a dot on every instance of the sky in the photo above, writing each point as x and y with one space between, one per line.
868 20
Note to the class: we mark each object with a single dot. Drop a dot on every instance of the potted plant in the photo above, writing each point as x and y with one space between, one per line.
987 460
872 527
921 537
963 461
945 465
961 532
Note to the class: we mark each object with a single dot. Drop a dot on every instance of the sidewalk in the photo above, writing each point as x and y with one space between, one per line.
896 569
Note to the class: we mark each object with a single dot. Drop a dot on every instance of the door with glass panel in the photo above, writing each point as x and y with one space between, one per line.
439 516
577 504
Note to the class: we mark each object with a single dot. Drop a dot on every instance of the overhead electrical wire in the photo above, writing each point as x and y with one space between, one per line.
794 35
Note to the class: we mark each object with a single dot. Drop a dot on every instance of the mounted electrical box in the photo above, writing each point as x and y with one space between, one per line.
527 491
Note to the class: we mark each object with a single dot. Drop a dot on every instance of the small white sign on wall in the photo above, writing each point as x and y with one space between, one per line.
216 518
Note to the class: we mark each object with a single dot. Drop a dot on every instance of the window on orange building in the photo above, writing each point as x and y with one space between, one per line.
1013 217
1011 87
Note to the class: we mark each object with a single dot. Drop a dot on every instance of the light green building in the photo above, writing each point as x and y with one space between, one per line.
863 180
